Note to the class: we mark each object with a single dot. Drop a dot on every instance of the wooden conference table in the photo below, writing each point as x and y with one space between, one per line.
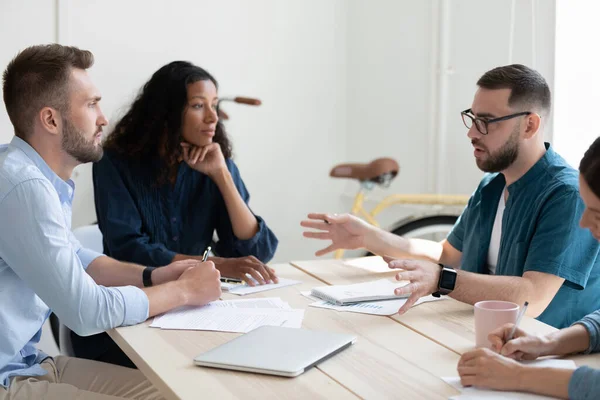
394 357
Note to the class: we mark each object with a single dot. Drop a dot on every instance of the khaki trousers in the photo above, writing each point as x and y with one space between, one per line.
77 378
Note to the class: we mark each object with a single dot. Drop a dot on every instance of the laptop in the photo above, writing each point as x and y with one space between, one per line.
276 350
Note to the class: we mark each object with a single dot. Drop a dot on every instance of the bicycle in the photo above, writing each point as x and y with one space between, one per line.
433 224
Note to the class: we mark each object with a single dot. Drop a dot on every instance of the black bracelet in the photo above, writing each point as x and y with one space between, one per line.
147 276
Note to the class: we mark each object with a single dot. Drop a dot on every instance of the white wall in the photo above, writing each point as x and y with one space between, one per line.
341 80
14 36
289 54
577 78
388 80
404 56
412 67
480 39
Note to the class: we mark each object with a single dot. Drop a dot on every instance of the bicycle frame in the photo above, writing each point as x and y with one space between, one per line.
359 210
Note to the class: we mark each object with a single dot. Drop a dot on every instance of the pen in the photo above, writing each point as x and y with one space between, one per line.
231 280
205 255
226 280
519 317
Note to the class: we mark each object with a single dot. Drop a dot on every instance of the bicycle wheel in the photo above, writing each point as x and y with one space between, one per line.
435 227
427 227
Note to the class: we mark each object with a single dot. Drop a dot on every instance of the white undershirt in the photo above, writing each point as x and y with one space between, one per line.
494 249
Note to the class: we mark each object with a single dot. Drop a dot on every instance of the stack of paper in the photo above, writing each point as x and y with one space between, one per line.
243 289
232 316
381 289
383 307
472 393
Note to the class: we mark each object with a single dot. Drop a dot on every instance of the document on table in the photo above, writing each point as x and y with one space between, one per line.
232 316
266 302
243 289
372 264
383 307
472 393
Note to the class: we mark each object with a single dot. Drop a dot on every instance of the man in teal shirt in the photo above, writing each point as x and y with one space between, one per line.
518 238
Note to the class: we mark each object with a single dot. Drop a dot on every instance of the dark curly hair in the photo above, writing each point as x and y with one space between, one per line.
590 167
151 129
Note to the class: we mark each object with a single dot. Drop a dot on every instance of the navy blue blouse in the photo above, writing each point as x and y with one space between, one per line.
148 224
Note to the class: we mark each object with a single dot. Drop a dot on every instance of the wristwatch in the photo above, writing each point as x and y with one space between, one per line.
147 276
446 282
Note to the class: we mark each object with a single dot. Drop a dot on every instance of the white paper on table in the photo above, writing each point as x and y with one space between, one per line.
245 289
264 302
372 264
383 307
307 294
294 319
231 319
268 302
468 393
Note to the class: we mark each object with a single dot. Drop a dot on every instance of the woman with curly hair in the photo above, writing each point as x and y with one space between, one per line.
167 183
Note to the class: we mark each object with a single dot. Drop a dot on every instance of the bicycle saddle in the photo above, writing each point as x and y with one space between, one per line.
375 171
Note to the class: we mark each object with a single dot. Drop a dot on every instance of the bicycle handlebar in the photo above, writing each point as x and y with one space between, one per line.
247 100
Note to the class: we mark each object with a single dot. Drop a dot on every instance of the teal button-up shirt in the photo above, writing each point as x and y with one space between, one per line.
540 232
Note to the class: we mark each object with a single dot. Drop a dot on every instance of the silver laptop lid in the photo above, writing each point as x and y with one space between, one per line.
275 350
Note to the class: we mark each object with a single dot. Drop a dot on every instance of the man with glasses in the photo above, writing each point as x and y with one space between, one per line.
518 239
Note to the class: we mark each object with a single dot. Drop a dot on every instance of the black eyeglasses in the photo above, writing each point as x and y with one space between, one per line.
482 124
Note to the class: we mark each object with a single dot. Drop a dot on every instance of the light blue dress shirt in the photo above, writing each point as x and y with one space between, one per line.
42 265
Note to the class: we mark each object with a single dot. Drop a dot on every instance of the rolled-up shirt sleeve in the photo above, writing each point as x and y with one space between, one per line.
36 243
585 382
457 234
591 322
86 256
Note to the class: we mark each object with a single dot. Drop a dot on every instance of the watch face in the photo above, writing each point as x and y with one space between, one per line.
448 280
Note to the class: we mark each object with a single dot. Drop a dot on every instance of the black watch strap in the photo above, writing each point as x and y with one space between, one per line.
442 289
147 276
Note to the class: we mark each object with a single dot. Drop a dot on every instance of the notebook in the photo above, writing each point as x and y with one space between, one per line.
276 350
381 289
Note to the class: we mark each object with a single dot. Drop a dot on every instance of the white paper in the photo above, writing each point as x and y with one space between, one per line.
306 293
468 393
232 316
265 302
232 319
383 307
382 289
244 289
372 264
294 319
223 320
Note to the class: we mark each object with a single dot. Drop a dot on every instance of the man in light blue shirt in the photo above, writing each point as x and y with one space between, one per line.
53 106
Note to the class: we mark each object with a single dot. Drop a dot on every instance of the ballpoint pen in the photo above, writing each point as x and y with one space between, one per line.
519 317
205 254
225 280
